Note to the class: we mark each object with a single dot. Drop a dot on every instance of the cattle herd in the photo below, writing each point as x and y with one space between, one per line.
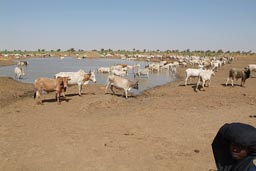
202 68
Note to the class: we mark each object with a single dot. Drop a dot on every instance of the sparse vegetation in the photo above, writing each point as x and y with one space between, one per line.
103 52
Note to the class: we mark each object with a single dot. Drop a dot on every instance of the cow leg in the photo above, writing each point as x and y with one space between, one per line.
209 82
58 97
79 89
227 81
232 82
186 81
203 84
111 88
126 94
63 94
242 83
38 97
197 85
108 84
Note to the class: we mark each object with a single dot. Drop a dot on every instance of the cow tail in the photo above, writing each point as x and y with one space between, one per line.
35 94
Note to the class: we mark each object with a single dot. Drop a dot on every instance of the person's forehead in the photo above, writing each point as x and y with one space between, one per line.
237 145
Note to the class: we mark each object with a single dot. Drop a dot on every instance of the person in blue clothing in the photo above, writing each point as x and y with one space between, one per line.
234 147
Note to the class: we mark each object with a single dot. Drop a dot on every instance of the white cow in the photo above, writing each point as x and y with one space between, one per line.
116 67
103 70
22 63
217 65
173 69
122 83
120 73
191 72
154 67
19 72
252 67
205 76
80 78
144 72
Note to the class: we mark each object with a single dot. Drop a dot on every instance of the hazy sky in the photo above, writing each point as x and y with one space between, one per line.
127 24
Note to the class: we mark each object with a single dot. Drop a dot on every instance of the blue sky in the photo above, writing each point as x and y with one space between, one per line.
127 24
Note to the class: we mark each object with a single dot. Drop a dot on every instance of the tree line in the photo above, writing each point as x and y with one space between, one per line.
186 52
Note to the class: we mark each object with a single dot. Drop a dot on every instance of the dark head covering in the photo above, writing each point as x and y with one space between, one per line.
238 133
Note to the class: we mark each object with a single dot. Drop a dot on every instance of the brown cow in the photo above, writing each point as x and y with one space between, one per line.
48 85
123 65
235 73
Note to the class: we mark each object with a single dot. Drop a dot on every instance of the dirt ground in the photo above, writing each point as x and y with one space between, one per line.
167 128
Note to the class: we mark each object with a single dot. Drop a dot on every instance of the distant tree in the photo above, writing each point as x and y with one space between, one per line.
144 50
71 50
39 50
102 50
43 50
220 51
52 50
58 50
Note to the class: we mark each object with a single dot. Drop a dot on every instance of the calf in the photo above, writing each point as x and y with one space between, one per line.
122 83
235 73
205 76
58 85
19 72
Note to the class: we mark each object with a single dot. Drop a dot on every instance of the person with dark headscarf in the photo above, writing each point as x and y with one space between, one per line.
234 147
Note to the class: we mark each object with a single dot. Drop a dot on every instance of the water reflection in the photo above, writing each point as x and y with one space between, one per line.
47 67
